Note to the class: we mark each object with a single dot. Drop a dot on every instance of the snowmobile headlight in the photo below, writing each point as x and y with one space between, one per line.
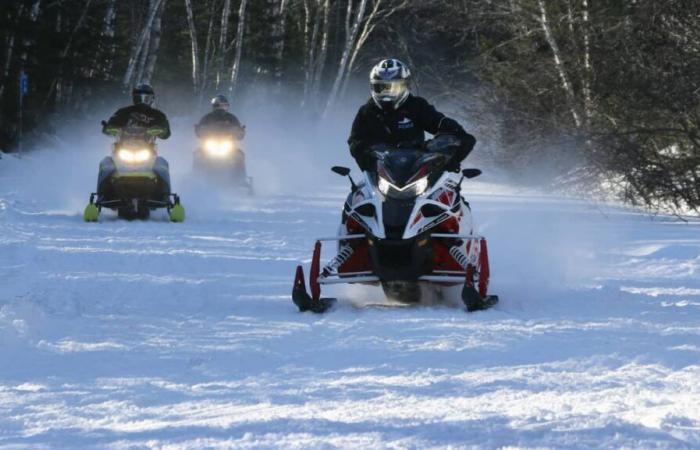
384 186
414 189
215 147
134 156
421 185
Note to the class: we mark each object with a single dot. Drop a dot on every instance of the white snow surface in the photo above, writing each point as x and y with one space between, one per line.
160 335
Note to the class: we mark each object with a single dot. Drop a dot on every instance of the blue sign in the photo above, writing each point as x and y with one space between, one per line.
23 83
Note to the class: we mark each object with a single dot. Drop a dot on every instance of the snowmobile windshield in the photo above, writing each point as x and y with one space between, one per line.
218 130
404 173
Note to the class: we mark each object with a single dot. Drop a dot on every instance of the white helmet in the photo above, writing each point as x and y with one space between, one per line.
389 83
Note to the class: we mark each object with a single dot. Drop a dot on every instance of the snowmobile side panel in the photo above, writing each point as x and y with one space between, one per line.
162 169
107 169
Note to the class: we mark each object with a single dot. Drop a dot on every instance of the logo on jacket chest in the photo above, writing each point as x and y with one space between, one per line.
405 124
140 118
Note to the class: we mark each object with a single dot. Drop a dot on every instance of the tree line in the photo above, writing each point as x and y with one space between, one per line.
601 92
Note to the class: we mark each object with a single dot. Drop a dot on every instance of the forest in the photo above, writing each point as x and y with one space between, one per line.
603 93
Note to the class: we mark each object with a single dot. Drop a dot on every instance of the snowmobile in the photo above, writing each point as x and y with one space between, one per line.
404 225
221 159
134 180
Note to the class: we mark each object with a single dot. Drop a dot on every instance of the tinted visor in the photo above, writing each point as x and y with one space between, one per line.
392 89
142 98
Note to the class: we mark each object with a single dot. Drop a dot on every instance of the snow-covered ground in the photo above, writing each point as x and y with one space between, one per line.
153 334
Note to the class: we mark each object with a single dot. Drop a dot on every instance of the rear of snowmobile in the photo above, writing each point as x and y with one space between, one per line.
404 226
134 180
221 160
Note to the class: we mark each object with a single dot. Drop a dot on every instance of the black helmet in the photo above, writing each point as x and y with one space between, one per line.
143 94
389 83
219 102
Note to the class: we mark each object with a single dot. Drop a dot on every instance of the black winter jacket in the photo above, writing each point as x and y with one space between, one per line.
405 126
140 115
221 121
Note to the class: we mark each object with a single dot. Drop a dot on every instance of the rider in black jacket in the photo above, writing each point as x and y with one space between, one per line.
140 115
395 117
219 119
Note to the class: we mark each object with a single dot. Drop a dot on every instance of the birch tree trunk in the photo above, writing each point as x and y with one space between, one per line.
374 17
8 56
204 78
141 65
342 66
195 47
139 44
108 37
235 67
28 42
323 53
277 16
154 46
223 39
311 52
587 66
558 62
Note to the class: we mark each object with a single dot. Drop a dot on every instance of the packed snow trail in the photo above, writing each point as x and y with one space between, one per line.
123 334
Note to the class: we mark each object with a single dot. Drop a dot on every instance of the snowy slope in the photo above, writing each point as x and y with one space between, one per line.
150 334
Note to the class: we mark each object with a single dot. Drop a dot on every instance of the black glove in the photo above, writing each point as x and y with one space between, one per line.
454 165
239 133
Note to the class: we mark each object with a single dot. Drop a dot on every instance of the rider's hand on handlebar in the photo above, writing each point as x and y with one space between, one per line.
155 131
111 131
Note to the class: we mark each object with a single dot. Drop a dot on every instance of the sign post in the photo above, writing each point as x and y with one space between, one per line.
23 90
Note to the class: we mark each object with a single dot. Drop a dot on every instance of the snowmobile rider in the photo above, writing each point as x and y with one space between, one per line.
219 119
141 114
393 116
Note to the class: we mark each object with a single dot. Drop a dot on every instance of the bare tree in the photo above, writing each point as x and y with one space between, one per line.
138 46
345 57
9 49
193 42
209 53
154 46
235 67
107 35
28 41
377 15
310 44
558 61
320 63
279 29
223 40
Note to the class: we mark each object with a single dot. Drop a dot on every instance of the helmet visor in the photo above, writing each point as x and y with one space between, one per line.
143 99
389 90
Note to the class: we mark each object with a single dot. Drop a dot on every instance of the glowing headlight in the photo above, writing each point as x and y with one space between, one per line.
134 156
383 186
414 189
420 185
218 148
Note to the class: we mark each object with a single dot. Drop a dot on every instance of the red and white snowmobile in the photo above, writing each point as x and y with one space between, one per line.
404 225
